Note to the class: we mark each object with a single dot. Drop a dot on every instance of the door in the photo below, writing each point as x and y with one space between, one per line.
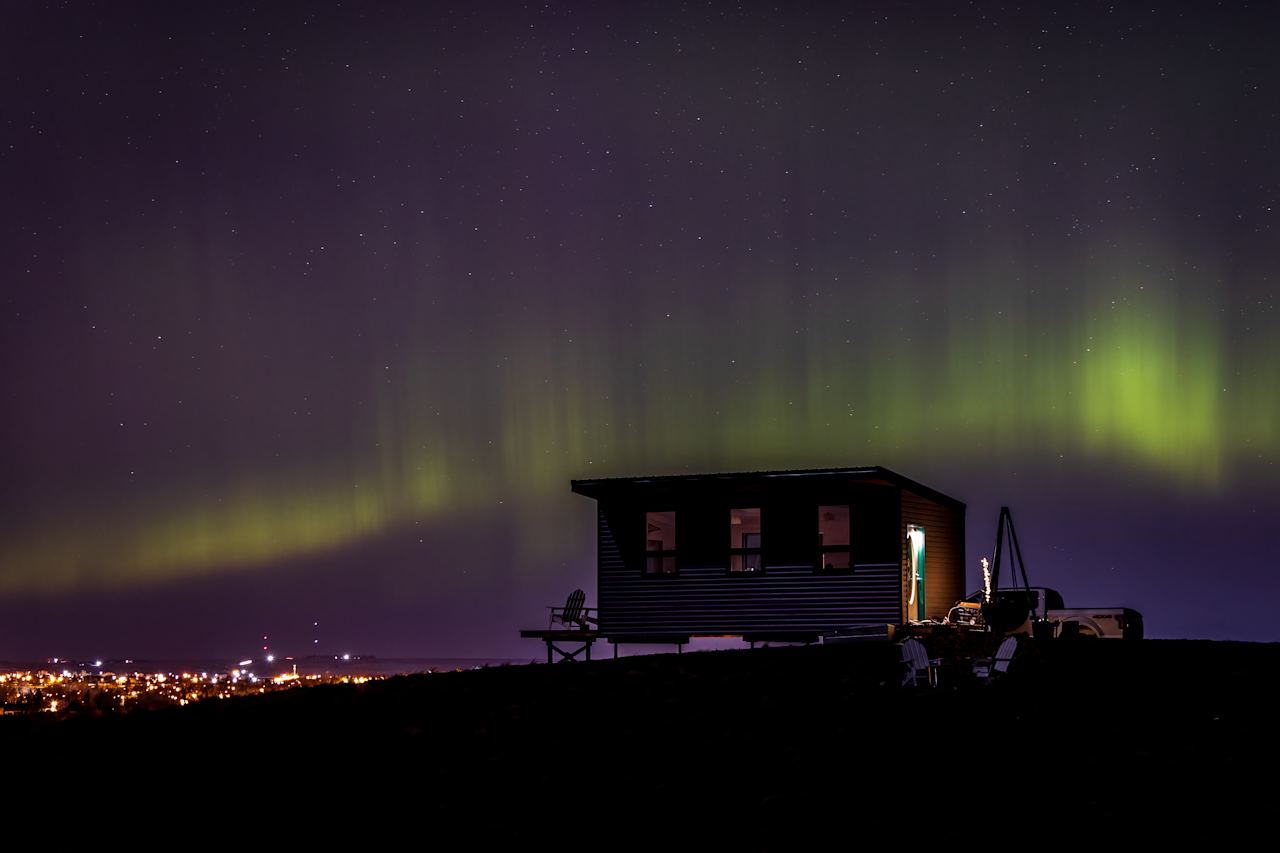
915 572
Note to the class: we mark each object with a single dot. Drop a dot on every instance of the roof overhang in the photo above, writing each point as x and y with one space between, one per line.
631 487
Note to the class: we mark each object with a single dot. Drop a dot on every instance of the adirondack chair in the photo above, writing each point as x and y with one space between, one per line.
573 614
569 627
988 668
915 663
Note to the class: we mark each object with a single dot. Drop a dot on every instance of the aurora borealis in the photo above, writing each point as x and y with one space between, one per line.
314 310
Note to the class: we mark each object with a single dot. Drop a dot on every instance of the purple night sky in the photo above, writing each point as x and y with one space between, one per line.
312 310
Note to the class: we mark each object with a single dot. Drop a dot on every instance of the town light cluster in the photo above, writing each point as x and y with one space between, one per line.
97 692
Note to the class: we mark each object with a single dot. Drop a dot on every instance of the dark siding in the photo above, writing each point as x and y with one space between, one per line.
944 551
790 596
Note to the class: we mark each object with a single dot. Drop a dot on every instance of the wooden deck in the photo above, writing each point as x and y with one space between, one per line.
558 638
555 638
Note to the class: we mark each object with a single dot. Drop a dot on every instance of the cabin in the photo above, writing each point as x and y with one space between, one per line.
772 555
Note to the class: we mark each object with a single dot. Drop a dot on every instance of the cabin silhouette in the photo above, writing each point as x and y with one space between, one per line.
772 555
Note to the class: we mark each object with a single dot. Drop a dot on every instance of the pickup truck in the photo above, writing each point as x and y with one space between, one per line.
1105 622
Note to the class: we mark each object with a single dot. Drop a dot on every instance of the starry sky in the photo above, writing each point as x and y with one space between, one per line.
310 311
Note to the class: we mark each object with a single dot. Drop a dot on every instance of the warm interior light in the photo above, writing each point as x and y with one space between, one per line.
915 539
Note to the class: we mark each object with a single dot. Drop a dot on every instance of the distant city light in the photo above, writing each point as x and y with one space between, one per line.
245 662
271 658
346 657
72 693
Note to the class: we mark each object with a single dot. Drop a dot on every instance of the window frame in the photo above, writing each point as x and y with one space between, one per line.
663 554
819 564
756 551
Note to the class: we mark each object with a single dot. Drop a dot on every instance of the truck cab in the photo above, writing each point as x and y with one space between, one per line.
1045 603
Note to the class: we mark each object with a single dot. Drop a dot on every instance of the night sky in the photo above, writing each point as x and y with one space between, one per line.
311 311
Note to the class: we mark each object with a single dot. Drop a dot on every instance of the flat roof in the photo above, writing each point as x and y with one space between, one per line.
604 486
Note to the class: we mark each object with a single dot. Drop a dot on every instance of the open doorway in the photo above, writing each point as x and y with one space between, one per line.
915 573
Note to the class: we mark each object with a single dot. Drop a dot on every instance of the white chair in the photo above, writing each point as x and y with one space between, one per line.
988 669
915 663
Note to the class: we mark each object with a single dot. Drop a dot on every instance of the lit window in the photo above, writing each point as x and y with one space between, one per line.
744 540
833 539
660 543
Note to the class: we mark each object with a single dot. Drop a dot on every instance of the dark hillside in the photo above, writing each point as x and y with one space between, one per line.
1078 731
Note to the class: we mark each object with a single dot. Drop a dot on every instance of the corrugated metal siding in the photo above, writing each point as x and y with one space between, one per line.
944 551
706 600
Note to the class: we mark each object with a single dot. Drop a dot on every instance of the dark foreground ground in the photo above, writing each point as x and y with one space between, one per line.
763 748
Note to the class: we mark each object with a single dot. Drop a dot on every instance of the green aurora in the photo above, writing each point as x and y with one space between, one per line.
1123 373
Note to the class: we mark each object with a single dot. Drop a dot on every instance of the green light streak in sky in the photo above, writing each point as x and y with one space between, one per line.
251 527
1142 381
1152 387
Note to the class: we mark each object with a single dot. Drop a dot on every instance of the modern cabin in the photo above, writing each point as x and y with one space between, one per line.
773 555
